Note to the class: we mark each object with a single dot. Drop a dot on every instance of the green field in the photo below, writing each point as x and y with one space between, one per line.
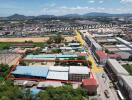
6 45
128 68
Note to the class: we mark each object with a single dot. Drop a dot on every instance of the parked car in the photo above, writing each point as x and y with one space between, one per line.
106 92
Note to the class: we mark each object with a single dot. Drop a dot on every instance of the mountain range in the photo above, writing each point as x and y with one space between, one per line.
93 14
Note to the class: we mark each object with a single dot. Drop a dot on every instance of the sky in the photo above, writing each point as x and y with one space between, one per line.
63 7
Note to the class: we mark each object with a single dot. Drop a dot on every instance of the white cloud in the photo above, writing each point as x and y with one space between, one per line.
91 1
62 10
126 1
101 1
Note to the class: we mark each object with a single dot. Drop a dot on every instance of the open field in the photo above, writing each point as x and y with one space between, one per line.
39 39
9 58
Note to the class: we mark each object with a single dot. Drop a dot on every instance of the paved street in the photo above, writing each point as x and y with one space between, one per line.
104 84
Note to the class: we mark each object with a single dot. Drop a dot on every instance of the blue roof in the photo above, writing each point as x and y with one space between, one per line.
35 91
41 56
31 71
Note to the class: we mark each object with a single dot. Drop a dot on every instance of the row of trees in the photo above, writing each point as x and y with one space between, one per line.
62 93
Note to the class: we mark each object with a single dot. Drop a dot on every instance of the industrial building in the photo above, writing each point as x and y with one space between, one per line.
101 56
113 67
72 73
77 73
43 56
125 83
92 43
31 71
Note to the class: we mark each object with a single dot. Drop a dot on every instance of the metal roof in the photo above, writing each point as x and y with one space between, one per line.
79 70
41 56
74 44
127 80
123 41
125 49
121 45
59 68
31 71
116 67
57 75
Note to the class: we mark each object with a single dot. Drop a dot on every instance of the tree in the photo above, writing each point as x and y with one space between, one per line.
4 68
62 93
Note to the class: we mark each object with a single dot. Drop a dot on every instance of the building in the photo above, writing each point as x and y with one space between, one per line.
58 73
114 68
101 56
30 71
125 83
92 43
43 56
77 73
90 85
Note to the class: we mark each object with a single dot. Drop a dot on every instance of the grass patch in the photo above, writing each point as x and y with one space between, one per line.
6 45
128 68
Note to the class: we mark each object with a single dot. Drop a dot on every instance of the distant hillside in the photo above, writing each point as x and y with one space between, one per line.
92 14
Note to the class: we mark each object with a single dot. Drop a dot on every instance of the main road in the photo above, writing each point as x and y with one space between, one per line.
101 77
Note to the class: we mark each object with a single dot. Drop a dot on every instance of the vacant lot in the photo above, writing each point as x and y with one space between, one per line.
39 39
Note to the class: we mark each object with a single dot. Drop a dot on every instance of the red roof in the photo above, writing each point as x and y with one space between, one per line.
101 54
115 56
87 82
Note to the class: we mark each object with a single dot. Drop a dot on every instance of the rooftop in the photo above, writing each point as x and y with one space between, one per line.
31 71
79 70
57 75
114 64
41 56
59 68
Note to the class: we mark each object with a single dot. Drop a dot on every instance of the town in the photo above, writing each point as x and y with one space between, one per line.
66 57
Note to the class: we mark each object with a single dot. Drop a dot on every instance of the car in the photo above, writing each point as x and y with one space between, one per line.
106 92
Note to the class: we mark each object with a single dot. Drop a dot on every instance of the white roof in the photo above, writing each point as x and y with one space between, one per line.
49 83
124 49
127 80
123 41
57 75
111 40
59 68
130 45
79 70
66 48
116 67
121 45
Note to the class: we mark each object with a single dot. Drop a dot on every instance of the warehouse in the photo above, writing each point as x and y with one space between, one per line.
124 42
101 56
43 56
126 85
114 67
30 71
93 44
77 73
58 73
74 44
59 68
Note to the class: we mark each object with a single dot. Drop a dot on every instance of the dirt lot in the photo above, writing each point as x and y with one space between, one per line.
40 39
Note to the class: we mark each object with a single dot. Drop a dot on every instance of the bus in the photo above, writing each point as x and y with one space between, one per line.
120 95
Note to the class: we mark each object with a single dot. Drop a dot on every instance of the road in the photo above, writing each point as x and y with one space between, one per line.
103 82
